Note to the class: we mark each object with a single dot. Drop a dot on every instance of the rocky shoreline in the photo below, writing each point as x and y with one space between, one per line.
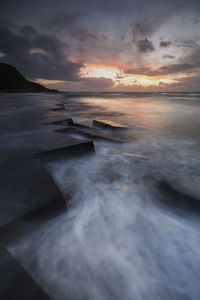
41 132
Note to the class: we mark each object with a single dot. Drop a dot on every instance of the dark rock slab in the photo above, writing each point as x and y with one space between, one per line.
26 187
108 124
43 143
58 108
16 283
62 147
59 121
89 133
185 185
71 123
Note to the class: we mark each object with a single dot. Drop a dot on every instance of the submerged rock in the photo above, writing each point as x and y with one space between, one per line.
16 283
58 108
134 155
88 133
58 120
26 187
68 122
108 124
185 185
71 123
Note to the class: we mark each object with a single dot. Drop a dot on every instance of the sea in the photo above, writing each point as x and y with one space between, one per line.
119 239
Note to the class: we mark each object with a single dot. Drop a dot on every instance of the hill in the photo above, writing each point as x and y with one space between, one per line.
12 81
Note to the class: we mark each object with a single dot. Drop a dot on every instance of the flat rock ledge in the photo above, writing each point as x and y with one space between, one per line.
89 133
16 283
27 187
106 124
187 186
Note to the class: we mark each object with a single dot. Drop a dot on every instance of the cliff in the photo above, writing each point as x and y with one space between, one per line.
12 81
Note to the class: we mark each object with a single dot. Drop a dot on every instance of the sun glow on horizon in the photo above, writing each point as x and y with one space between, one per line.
99 72
121 79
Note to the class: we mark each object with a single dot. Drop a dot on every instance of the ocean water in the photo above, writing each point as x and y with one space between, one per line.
119 238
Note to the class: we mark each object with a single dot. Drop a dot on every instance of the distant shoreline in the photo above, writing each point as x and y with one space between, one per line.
92 93
31 91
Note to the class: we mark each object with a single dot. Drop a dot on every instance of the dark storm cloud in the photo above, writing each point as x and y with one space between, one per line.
175 68
83 35
148 26
145 45
186 84
165 44
62 20
189 81
164 70
37 55
27 30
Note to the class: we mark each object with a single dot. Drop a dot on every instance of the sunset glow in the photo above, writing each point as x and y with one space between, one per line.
106 45
119 78
99 72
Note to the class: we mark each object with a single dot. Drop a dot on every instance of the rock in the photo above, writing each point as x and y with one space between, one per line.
58 108
185 185
91 134
26 187
77 125
54 146
188 185
68 122
108 124
58 120
16 283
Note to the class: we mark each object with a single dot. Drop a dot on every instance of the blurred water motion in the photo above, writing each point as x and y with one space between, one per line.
116 241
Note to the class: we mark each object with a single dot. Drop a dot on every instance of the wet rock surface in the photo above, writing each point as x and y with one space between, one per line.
58 120
185 185
89 133
16 283
27 190
25 187
108 124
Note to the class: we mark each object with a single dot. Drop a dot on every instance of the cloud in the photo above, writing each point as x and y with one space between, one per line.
164 70
145 45
174 69
187 84
138 71
61 36
84 84
168 56
98 83
62 20
165 44
48 62
83 35
27 30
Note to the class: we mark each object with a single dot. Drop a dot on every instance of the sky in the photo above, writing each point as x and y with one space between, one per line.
104 45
